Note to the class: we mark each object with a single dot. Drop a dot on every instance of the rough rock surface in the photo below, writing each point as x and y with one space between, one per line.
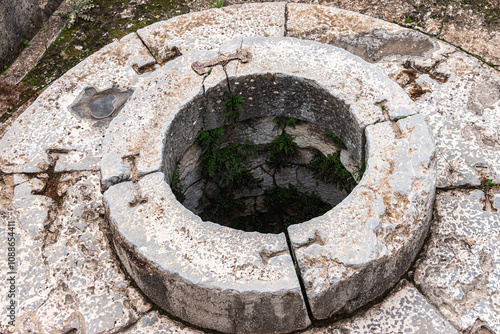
474 29
156 323
459 270
405 310
67 275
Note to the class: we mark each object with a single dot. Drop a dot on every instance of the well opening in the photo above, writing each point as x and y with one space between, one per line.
263 152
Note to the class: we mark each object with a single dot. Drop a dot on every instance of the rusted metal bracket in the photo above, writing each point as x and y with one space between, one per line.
205 66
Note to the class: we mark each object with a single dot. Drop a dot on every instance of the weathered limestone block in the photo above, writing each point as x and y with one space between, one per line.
206 274
49 126
459 271
463 113
209 29
367 37
361 247
405 310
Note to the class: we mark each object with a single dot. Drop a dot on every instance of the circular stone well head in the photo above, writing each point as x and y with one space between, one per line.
233 281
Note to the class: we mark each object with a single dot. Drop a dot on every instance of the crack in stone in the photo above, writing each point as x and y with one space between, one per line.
170 54
148 67
145 45
444 20
395 127
285 24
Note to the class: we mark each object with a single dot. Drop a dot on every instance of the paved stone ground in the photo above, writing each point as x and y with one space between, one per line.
70 281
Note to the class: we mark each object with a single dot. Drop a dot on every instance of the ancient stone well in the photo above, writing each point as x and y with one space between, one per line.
229 280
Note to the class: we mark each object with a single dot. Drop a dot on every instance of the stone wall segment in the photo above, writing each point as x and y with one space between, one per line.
209 275
361 247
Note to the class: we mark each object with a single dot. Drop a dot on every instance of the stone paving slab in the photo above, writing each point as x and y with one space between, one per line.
49 125
67 276
459 270
405 310
469 28
460 94
153 322
209 29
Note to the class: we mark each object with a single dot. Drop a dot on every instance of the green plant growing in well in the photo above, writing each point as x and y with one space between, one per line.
330 169
216 4
283 122
209 139
222 208
77 9
233 106
280 151
336 140
224 165
26 42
